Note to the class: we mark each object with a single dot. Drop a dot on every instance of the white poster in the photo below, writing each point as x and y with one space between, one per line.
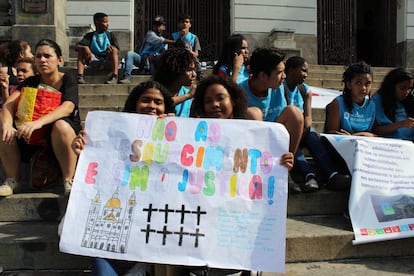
323 96
180 191
381 203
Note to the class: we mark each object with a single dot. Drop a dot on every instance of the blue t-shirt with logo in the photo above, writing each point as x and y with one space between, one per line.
99 43
361 119
271 106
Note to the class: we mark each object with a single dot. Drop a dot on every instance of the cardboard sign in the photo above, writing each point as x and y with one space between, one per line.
199 192
381 203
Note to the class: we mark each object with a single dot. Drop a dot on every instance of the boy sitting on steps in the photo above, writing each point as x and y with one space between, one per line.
99 49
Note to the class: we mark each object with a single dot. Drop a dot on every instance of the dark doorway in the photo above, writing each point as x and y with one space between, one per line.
336 31
350 30
211 21
376 32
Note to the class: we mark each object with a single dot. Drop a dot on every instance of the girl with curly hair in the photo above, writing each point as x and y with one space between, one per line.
176 71
218 97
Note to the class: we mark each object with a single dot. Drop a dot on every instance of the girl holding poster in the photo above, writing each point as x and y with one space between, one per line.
147 98
54 119
394 103
221 98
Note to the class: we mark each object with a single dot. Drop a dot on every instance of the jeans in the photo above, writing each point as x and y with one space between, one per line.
320 155
102 267
107 267
131 59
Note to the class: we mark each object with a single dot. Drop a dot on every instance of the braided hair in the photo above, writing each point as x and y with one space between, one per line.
351 72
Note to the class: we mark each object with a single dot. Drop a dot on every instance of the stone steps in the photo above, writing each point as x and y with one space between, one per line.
330 76
309 239
316 231
30 205
318 242
34 245
356 267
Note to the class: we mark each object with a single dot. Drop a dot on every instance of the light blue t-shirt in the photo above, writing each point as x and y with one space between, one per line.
189 38
295 96
271 106
99 43
361 119
400 115
152 45
183 109
243 74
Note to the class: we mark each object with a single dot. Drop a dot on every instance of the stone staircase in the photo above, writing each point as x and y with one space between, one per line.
330 76
98 96
318 242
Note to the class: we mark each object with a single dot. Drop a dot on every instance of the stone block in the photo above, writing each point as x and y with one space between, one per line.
290 52
33 34
282 38
308 44
283 43
34 26
5 33
55 14
125 39
79 31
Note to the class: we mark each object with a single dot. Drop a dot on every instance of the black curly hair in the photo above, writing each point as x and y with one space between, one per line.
171 64
350 72
238 96
387 92
131 101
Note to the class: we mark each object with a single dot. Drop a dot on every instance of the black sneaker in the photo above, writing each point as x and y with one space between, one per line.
125 81
81 80
310 185
339 182
112 80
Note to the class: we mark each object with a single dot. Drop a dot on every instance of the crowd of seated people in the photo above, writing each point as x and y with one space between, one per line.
262 86
276 90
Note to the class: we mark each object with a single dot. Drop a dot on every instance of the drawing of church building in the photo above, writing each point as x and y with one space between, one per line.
108 228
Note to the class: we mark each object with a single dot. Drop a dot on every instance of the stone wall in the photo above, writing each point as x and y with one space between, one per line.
306 45
405 53
34 26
